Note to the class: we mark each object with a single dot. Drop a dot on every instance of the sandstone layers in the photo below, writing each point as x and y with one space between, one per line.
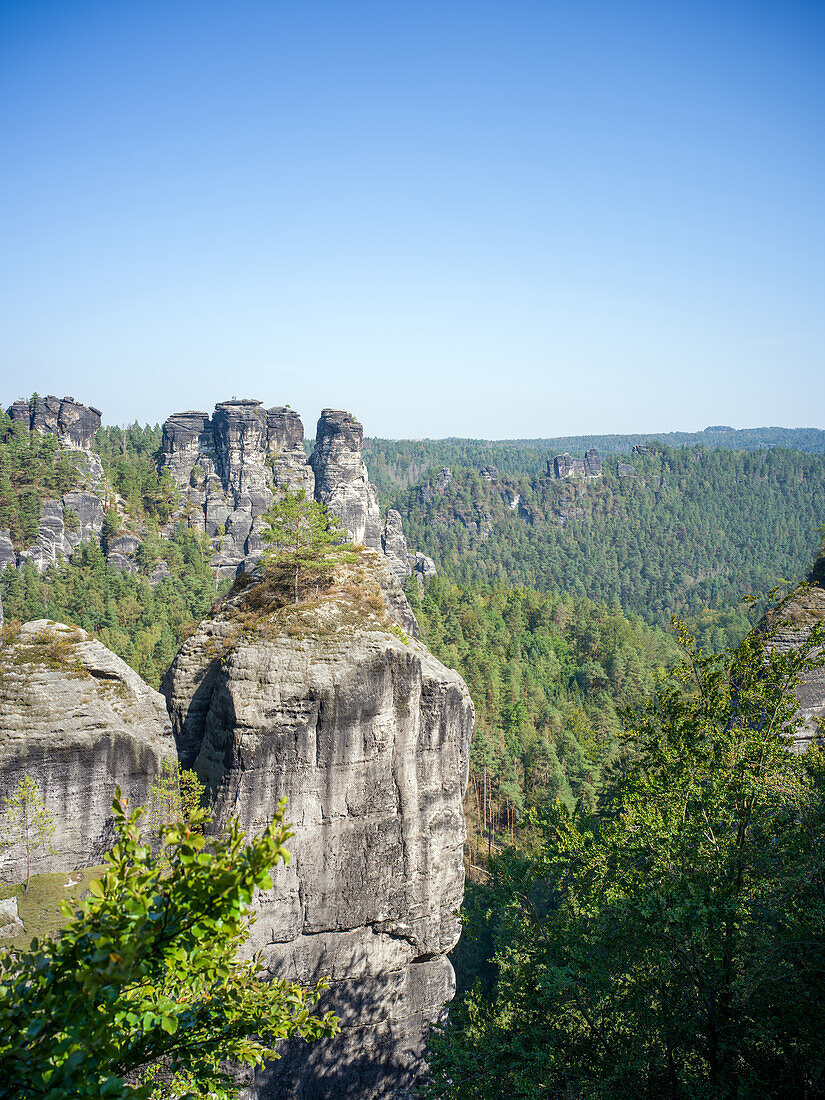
368 738
800 616
80 722
228 468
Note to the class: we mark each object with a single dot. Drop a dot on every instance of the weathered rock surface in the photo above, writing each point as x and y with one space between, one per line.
592 463
73 424
10 922
394 545
228 468
802 614
341 481
79 721
367 737
564 466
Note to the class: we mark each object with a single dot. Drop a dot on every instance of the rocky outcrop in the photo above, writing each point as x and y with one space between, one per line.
799 617
394 545
592 463
564 466
79 721
73 424
367 735
341 481
229 467
64 525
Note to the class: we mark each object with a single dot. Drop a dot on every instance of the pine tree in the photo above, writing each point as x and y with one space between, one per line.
302 539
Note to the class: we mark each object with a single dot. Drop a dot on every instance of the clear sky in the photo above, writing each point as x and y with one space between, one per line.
495 219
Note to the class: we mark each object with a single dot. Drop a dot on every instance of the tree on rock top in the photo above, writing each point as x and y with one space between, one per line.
303 540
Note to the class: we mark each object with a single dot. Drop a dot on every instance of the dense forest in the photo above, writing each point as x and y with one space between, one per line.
393 463
685 532
600 951
549 676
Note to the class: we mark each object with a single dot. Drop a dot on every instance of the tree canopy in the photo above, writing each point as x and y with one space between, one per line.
673 943
143 994
302 539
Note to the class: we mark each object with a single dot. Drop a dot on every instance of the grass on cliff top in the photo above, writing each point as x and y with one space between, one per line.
262 602
39 906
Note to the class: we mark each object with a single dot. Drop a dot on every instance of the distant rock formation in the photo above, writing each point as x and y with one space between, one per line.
73 424
78 516
592 463
80 722
341 480
564 466
368 737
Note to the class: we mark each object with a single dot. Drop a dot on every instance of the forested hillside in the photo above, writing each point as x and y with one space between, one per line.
143 622
670 531
548 675
402 462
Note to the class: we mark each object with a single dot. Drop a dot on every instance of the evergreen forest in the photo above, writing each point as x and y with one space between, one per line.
684 532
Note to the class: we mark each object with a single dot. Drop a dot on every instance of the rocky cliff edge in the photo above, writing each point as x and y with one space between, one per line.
80 722
333 706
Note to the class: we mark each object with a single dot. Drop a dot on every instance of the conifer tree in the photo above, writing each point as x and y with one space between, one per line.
302 539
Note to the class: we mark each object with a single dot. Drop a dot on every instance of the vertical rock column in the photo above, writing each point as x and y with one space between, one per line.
341 481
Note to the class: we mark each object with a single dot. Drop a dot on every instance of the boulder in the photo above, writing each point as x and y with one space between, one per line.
80 722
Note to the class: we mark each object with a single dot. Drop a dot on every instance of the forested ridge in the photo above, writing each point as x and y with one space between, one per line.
685 531
394 462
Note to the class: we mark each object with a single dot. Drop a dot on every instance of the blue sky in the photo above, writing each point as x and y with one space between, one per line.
502 219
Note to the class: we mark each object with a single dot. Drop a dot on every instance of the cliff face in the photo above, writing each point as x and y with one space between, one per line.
58 536
801 615
80 722
341 481
228 468
367 736
73 424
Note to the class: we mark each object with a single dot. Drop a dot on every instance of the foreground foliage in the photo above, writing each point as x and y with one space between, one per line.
142 994
674 945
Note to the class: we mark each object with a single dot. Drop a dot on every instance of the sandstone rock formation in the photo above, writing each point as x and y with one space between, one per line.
228 467
79 721
73 424
341 481
78 516
592 463
564 466
367 736
802 614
